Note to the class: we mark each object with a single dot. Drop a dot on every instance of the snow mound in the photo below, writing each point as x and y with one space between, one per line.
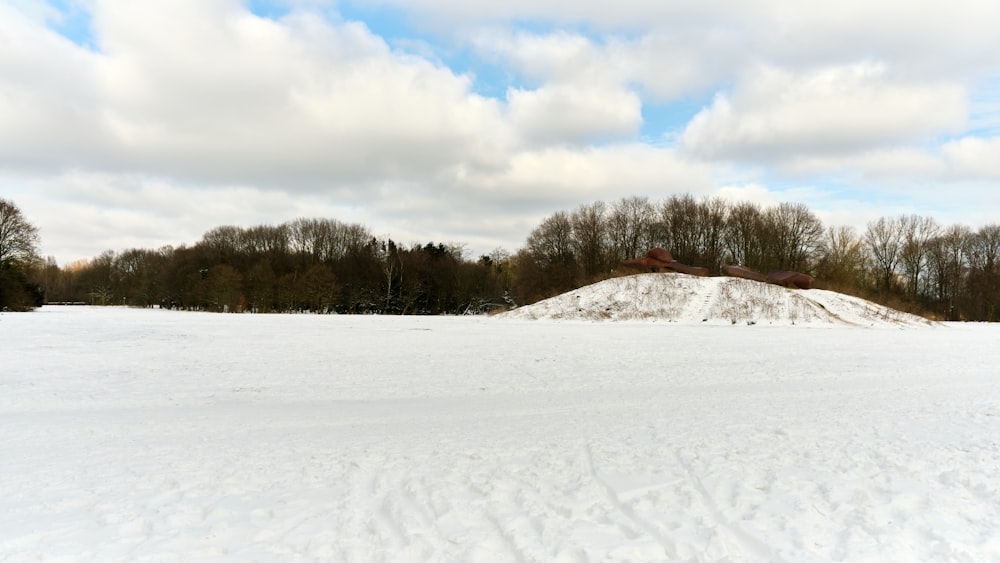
688 299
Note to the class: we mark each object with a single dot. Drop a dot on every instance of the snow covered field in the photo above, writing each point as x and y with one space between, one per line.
167 436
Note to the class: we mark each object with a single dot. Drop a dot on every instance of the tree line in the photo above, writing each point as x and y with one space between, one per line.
571 248
909 262
315 265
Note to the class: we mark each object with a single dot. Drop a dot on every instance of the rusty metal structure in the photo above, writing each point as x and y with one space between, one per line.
745 273
658 259
794 280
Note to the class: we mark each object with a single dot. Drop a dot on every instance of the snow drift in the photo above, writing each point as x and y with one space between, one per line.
688 299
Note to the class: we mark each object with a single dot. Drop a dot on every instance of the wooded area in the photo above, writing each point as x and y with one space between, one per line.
317 265
909 262
322 265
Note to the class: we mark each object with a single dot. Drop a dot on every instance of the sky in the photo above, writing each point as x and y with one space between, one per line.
128 124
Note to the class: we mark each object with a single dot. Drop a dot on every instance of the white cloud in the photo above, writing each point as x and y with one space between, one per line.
774 115
672 65
555 114
754 193
602 15
974 158
583 94
925 40
564 177
890 165
560 56
193 115
177 117
49 102
927 37
37 11
208 92
660 66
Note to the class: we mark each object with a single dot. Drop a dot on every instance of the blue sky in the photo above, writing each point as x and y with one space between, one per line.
72 21
128 124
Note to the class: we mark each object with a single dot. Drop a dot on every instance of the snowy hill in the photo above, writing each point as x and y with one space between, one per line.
681 298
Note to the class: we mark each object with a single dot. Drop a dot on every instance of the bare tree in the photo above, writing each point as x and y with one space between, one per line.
984 274
743 234
916 231
793 238
18 255
712 215
884 240
265 239
310 237
18 237
678 227
552 241
547 265
629 227
325 240
984 251
136 276
96 278
387 254
947 261
223 242
842 260
590 239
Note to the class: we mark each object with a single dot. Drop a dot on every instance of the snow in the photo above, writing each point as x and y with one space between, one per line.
149 435
680 298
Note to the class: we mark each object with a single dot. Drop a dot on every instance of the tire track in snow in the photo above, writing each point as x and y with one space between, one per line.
381 520
753 544
506 539
669 547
